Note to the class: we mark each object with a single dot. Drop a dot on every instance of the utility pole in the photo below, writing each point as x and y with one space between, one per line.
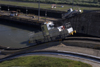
26 11
45 15
0 8
72 3
38 10
8 10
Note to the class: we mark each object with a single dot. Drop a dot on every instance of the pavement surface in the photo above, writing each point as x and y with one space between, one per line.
62 47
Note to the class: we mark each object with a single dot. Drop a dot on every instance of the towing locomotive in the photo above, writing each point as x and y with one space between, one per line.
51 33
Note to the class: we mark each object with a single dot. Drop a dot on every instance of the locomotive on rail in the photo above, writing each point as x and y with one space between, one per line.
50 32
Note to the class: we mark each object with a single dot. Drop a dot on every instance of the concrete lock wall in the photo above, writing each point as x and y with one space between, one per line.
86 23
50 13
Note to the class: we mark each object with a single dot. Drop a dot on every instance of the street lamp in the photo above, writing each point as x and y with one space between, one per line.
38 10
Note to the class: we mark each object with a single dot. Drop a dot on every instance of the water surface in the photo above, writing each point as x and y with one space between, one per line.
15 35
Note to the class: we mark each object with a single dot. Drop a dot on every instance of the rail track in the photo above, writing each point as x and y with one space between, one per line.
88 42
94 39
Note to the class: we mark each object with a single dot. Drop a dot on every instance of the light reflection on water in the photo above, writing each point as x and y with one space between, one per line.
15 35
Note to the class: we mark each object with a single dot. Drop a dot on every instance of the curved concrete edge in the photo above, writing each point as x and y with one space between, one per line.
53 51
81 54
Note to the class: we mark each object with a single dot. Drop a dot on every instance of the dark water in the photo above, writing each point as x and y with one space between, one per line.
15 35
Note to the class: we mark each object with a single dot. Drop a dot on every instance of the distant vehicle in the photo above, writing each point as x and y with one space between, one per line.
71 13
33 16
13 13
62 6
51 33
